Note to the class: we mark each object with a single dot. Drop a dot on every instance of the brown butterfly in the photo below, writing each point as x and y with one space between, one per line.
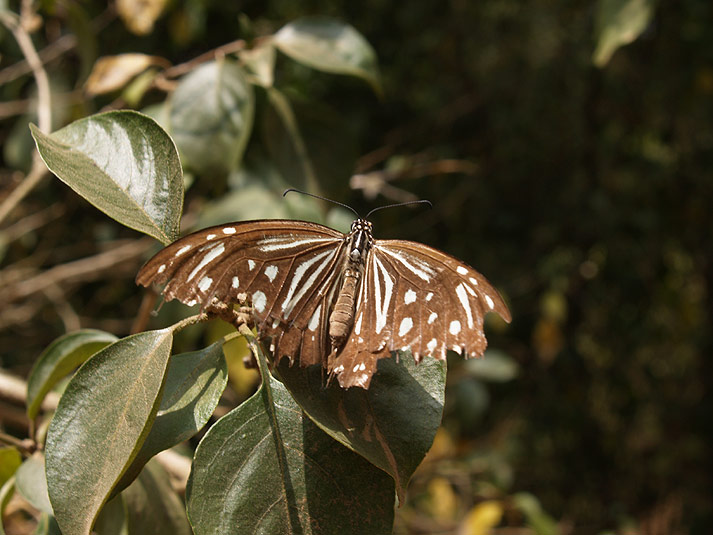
323 297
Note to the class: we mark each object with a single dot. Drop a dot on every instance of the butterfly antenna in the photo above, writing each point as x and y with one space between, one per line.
422 201
321 198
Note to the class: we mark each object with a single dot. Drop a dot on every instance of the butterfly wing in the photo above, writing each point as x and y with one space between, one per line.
419 298
287 269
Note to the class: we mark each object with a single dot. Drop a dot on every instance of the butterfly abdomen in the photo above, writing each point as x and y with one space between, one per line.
342 317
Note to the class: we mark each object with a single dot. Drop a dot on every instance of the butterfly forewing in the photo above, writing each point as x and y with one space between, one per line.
409 296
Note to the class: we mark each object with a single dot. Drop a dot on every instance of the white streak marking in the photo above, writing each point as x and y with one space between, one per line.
183 250
462 270
251 265
420 272
204 283
432 345
382 308
406 326
357 327
409 297
473 280
454 327
490 302
236 282
277 243
271 272
162 268
275 323
432 318
211 236
314 321
463 298
211 255
429 296
229 230
259 301
355 368
292 299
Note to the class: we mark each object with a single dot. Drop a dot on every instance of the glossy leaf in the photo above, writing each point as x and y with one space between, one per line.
619 22
123 163
61 357
100 424
329 45
392 424
212 116
152 506
30 481
266 468
194 383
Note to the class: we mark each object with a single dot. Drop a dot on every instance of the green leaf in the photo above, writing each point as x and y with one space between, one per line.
619 22
212 116
7 491
495 366
123 163
10 460
329 45
194 383
265 468
392 424
30 481
153 506
100 424
113 518
61 357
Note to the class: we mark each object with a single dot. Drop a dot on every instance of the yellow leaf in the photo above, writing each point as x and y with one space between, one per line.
110 73
482 518
139 15
442 501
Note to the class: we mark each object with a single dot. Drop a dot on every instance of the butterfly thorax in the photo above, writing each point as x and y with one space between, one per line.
341 319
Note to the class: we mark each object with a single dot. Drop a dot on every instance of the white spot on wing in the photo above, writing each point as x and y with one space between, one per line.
338 369
236 282
191 303
409 297
229 230
490 302
405 327
432 345
162 268
429 296
204 283
271 272
432 318
211 255
259 301
251 265
183 250
314 320
211 236
454 327
473 280
462 270
463 298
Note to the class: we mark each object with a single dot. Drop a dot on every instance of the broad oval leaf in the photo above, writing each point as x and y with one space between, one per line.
58 359
212 116
329 45
392 424
266 468
123 163
101 422
30 481
194 383
152 506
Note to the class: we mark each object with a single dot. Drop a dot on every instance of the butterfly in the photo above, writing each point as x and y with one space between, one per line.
323 297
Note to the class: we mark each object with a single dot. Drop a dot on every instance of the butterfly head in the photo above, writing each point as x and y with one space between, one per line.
360 239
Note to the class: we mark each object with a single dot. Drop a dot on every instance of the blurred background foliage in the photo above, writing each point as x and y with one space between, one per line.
566 147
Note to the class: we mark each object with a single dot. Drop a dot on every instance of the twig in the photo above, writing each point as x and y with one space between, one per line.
85 269
44 111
